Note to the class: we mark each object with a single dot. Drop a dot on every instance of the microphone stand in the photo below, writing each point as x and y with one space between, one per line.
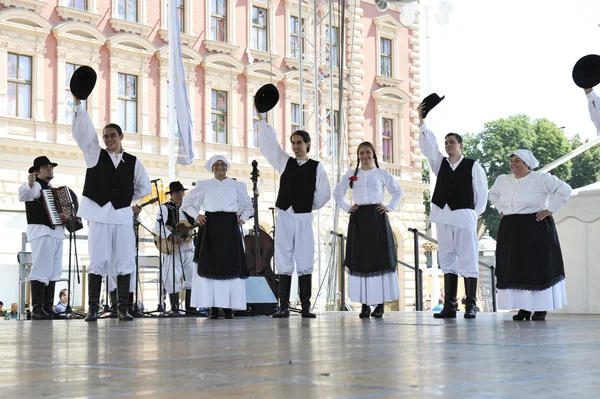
137 312
72 241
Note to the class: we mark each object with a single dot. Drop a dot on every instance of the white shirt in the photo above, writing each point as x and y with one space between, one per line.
272 151
594 108
212 195
461 218
87 140
530 194
165 232
368 189
34 231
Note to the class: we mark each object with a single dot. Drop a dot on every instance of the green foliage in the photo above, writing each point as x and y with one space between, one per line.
492 148
585 167
426 193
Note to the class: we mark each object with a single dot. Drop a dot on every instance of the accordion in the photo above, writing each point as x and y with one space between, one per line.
62 208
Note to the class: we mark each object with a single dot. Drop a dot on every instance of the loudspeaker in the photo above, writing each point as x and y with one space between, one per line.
259 297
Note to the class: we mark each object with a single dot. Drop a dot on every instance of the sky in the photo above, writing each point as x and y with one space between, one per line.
497 58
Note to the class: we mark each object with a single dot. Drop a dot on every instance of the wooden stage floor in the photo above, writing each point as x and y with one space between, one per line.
334 356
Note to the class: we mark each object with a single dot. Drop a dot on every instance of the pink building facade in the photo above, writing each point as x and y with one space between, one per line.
230 49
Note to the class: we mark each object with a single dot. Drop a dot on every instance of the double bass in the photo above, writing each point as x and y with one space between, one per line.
260 242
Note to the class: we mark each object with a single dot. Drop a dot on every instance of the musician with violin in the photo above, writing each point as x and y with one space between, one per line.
45 237
114 179
178 261
222 267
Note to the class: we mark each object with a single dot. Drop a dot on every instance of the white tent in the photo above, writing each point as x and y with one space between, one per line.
578 225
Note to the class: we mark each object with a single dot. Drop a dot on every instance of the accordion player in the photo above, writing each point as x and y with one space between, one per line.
61 204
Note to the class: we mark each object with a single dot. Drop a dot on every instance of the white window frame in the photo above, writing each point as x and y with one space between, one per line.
188 37
292 95
257 55
388 28
139 27
291 10
89 15
389 104
215 46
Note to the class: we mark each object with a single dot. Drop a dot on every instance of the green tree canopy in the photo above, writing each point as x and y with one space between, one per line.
492 148
585 167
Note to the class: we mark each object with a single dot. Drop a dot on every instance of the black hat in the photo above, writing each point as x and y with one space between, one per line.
586 72
266 98
430 102
83 82
175 186
41 161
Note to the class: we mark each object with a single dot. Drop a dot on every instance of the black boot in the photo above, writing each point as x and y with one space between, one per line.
471 291
522 315
305 294
174 299
365 311
450 288
214 313
228 313
113 301
123 297
94 286
539 316
38 290
378 312
49 301
285 285
190 311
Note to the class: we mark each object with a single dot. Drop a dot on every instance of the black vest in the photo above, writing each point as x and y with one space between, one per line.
297 186
173 214
455 187
104 183
36 210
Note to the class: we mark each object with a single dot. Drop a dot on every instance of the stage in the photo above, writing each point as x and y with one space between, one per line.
405 354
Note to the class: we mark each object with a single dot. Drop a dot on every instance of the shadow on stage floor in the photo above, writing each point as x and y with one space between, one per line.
336 355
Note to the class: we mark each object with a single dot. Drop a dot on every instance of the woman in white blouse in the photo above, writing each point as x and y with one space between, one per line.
219 281
370 248
529 263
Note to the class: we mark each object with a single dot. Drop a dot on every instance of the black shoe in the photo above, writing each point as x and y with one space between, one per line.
40 314
305 283
539 316
365 312
94 287
214 313
228 313
124 314
448 312
285 285
378 312
471 301
123 297
92 314
283 311
450 305
522 315
174 299
38 290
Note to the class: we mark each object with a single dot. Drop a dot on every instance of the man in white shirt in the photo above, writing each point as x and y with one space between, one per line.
593 107
304 187
114 179
460 195
46 239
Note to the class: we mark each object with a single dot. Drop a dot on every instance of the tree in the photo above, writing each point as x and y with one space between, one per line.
426 194
492 148
586 166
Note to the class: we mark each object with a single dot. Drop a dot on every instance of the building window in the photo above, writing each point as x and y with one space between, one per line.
219 116
334 130
77 4
69 70
255 118
19 85
386 57
259 29
295 34
296 118
128 102
387 137
218 20
127 10
180 14
331 45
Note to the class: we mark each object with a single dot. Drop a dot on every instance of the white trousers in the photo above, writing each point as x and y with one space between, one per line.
458 250
185 258
294 245
46 255
111 248
112 280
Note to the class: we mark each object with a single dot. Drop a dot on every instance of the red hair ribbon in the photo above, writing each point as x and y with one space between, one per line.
353 178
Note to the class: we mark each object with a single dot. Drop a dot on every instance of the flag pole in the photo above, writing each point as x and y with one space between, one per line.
171 98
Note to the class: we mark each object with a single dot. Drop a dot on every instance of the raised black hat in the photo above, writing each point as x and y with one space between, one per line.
41 161
586 72
430 102
83 82
266 98
175 186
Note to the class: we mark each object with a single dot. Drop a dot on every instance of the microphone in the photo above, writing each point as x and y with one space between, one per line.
154 181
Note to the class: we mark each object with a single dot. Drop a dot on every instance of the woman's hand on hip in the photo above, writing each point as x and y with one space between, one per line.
382 208
542 215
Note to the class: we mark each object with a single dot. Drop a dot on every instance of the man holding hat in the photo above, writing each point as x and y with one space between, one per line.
460 195
113 180
303 188
46 239
180 259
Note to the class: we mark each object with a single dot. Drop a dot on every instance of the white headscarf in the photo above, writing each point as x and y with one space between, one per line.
527 157
209 164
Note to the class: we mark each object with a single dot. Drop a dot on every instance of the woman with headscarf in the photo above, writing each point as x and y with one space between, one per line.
219 281
529 263
370 248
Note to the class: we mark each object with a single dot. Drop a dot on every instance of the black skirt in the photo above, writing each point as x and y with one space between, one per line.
528 255
370 249
219 250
